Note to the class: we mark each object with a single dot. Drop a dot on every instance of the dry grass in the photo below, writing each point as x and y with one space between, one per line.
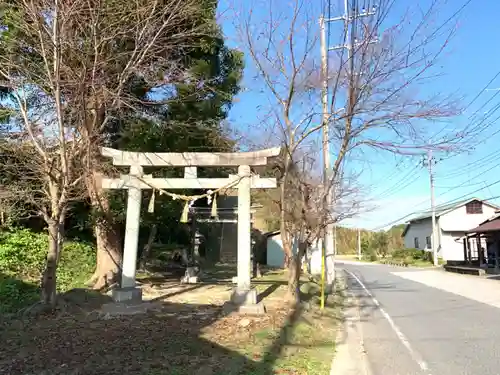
190 334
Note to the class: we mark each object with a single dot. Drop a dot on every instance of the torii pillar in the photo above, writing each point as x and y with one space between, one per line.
243 293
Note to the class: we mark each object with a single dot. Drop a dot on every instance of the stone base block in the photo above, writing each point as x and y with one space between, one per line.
191 271
255 309
128 295
244 297
189 280
110 310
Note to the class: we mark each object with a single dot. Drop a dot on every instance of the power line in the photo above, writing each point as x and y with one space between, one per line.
489 114
478 175
485 104
438 206
475 191
482 91
429 158
469 185
399 186
388 178
452 201
467 168
472 166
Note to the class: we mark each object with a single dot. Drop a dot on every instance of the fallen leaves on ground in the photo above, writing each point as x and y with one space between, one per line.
181 338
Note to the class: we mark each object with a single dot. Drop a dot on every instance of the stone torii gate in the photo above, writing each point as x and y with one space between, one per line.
136 181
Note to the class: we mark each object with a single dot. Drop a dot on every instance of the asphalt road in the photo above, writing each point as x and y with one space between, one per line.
410 328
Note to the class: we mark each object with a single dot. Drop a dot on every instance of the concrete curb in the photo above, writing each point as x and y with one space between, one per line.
350 355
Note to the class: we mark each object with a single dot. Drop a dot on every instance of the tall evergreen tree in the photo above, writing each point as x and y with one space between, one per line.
192 120
122 68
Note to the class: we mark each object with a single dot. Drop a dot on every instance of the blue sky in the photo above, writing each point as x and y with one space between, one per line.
397 186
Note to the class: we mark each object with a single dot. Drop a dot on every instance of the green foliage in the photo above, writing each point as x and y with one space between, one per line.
412 256
370 256
76 265
22 259
415 254
380 242
365 246
15 294
22 253
383 242
401 253
368 252
193 120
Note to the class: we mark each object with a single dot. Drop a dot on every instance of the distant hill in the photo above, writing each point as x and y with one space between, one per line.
399 227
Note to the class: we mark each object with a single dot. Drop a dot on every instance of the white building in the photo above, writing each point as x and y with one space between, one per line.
275 255
452 223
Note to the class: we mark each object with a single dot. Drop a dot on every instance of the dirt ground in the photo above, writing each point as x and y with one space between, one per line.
189 333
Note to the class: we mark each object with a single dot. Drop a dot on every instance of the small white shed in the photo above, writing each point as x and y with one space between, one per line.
314 255
275 255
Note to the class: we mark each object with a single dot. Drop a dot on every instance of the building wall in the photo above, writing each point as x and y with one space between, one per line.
275 256
314 255
451 227
459 220
452 247
275 253
420 230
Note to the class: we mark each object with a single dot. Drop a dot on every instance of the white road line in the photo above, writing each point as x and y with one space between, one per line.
416 357
357 263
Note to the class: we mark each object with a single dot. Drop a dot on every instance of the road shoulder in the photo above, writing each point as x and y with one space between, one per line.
350 355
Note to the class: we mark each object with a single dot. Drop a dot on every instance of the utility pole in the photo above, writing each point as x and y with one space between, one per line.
359 244
329 244
430 162
329 181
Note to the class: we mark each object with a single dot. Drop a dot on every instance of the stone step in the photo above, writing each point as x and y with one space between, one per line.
466 270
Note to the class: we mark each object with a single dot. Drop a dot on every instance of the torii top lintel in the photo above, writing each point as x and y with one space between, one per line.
190 159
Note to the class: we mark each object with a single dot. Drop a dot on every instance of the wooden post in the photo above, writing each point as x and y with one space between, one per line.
469 255
480 255
496 252
465 249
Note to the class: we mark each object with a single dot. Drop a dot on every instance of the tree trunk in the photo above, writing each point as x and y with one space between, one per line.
49 278
285 238
60 235
286 242
295 269
109 257
108 240
293 293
